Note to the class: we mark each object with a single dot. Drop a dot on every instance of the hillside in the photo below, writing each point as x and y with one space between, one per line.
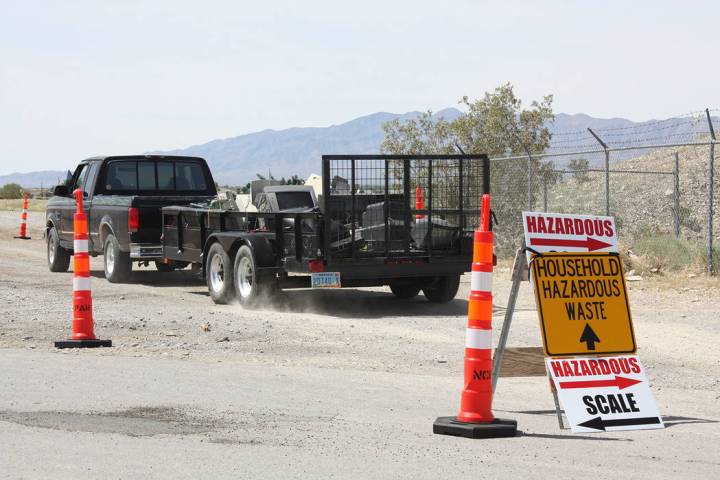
294 150
44 178
298 150
291 151
643 204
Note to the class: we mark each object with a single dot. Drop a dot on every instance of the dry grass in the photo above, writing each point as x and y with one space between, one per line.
15 205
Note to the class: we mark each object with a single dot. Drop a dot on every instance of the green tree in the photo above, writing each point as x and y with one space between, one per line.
496 124
579 168
11 190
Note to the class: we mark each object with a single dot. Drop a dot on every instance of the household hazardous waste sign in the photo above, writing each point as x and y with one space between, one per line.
582 302
558 232
604 393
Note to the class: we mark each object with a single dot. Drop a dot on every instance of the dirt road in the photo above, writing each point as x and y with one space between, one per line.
321 384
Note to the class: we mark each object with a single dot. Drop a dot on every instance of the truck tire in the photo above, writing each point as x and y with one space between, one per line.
116 262
58 258
250 286
405 290
443 289
219 275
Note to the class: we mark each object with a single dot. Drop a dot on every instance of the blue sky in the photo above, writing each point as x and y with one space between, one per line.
79 78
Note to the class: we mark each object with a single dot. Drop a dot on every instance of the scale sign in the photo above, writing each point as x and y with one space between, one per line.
604 393
558 232
582 302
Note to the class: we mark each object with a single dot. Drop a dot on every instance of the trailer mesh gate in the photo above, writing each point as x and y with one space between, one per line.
373 208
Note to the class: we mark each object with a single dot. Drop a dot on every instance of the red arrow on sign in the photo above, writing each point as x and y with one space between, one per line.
590 243
620 382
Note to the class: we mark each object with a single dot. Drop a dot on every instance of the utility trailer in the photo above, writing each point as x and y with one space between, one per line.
405 221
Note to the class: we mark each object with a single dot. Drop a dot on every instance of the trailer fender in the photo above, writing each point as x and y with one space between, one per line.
231 242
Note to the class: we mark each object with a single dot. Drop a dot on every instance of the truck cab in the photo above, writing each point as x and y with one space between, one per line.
123 198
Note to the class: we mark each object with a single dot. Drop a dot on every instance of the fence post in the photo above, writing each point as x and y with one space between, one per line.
711 180
607 171
676 194
545 193
529 183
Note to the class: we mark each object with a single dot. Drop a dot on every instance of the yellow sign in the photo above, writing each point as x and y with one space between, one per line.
583 306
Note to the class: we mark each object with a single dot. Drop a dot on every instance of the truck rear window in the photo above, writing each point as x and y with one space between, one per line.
149 176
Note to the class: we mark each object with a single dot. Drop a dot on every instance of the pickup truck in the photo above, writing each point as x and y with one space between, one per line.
405 221
123 198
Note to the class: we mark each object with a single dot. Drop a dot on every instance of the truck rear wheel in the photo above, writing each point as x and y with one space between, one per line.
249 285
443 289
405 290
58 258
219 276
117 263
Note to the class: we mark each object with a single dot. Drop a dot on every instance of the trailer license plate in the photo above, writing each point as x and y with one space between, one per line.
325 280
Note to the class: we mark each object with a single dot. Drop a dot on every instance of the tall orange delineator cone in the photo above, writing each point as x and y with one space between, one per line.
419 204
83 335
23 220
476 419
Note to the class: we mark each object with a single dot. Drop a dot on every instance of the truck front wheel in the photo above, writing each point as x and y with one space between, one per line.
443 289
117 263
219 275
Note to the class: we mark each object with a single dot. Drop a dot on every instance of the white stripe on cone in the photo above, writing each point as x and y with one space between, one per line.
478 338
80 246
481 281
81 283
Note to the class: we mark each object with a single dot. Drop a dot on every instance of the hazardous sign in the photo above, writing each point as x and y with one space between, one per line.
557 232
582 302
604 394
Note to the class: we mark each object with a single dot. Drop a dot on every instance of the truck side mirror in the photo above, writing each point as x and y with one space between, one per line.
60 191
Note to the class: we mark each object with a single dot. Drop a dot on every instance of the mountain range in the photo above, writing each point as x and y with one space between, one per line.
236 160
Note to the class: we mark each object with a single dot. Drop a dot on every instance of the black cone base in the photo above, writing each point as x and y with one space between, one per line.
23 238
83 343
498 428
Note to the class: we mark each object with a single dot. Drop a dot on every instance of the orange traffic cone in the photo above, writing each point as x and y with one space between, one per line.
476 419
23 220
419 204
83 334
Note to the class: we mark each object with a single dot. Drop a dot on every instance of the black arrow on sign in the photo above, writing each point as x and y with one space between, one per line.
598 423
590 337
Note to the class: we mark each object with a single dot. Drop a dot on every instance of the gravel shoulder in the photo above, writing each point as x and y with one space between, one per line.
317 384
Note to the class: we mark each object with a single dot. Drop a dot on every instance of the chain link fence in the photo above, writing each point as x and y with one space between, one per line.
657 179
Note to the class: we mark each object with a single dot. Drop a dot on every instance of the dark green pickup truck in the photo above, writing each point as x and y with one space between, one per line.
124 196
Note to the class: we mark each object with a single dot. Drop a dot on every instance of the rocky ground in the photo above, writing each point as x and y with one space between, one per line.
317 384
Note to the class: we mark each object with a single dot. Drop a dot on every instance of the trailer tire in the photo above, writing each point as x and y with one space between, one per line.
117 264
58 258
443 289
219 275
250 287
405 290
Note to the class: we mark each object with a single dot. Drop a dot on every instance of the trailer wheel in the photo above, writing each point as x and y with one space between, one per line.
405 290
250 286
219 276
443 289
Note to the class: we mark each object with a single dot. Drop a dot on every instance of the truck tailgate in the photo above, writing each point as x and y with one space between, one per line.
150 210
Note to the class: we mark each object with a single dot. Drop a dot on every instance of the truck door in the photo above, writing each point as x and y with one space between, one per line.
88 188
67 209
